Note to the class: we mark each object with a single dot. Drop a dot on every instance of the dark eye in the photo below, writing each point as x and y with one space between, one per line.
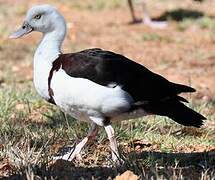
38 16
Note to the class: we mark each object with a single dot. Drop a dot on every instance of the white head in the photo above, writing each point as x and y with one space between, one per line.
42 18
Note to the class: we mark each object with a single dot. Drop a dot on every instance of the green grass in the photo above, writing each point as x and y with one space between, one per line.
153 147
28 139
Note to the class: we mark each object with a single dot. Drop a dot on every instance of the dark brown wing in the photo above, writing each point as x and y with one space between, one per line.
150 91
105 68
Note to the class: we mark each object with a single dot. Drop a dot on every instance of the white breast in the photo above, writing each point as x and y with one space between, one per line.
47 52
87 97
41 73
42 66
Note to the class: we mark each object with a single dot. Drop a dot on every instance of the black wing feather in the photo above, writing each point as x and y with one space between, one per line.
105 67
150 91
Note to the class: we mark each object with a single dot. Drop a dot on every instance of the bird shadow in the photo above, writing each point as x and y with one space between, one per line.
196 162
179 15
143 164
182 159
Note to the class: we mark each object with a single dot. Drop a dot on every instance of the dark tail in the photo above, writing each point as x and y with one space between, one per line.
182 88
177 111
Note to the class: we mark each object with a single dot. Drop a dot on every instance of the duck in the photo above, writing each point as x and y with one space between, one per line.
98 86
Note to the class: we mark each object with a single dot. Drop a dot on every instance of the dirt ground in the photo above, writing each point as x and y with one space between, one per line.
186 56
183 52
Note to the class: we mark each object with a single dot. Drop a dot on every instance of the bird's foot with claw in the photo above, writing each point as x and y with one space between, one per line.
68 154
114 162
136 21
156 24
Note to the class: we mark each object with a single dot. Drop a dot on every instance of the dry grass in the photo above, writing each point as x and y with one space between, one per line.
32 131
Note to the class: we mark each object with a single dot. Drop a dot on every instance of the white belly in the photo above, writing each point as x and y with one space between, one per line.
82 98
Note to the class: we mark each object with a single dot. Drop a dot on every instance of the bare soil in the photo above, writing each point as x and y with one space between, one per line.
184 56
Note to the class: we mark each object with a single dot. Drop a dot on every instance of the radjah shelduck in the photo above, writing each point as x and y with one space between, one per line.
98 86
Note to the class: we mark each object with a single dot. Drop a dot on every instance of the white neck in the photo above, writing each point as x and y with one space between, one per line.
50 45
47 52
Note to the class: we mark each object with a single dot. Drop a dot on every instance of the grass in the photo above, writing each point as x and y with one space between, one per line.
153 147
204 22
32 132
153 37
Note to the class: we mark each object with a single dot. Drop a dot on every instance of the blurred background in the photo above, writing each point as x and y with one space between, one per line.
183 52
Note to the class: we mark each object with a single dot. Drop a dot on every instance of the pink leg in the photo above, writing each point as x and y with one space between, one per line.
75 153
149 22
113 144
